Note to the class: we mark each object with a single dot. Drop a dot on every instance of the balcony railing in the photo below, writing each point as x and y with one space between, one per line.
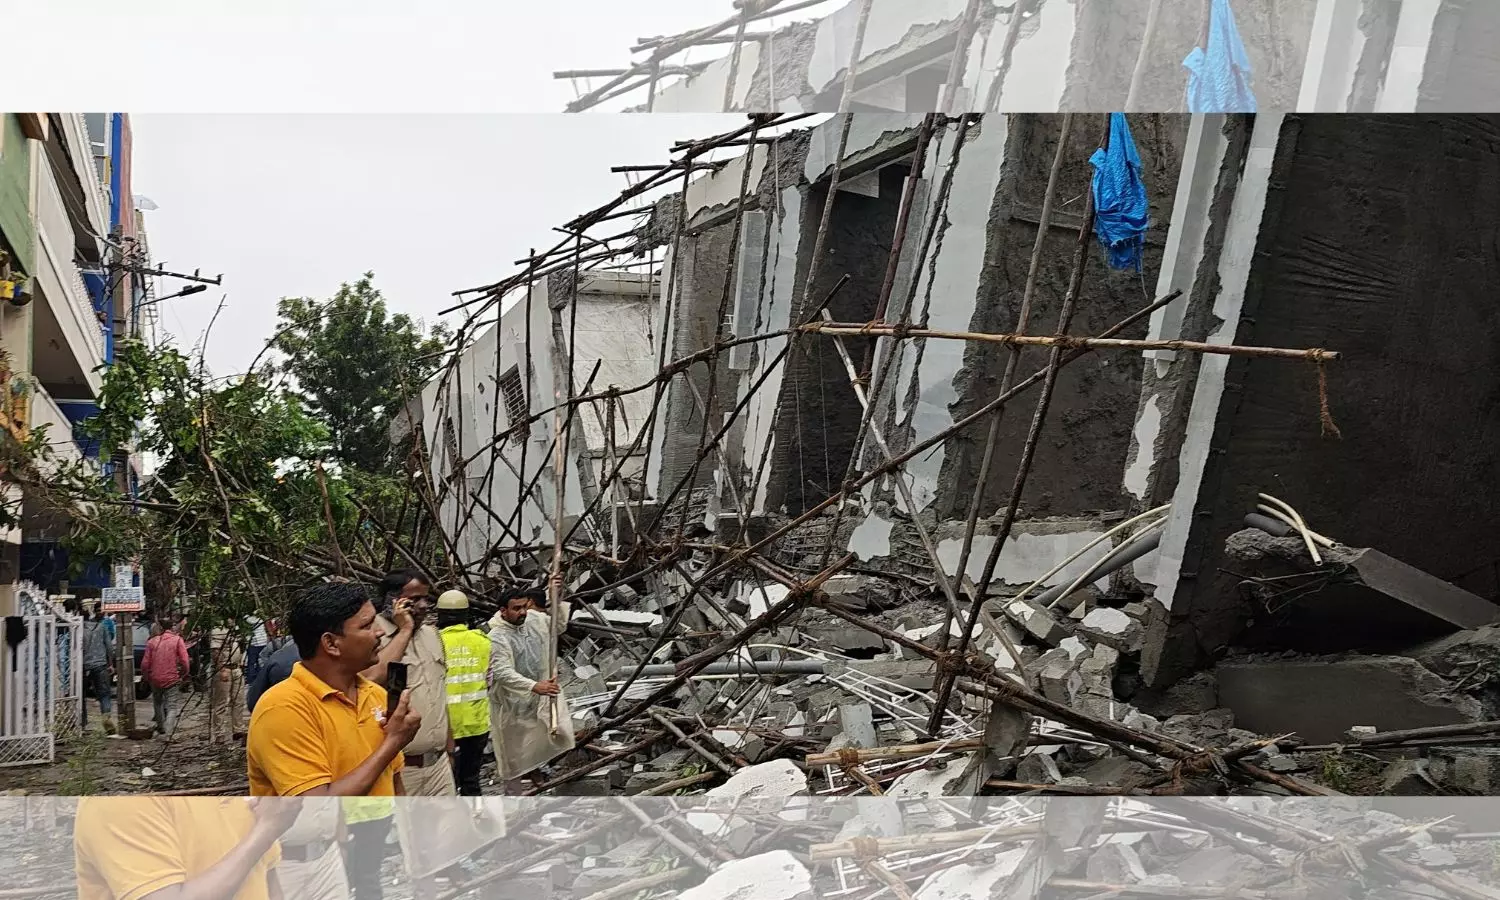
45 411
81 149
65 288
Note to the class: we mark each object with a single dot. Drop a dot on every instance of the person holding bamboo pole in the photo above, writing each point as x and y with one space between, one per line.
521 693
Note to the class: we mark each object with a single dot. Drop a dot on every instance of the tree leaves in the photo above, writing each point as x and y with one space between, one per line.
355 365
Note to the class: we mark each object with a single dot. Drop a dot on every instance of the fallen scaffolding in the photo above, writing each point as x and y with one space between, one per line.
981 705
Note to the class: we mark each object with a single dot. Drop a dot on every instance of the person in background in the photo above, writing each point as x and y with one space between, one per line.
257 644
408 636
226 685
468 654
324 731
312 857
274 669
520 692
165 667
131 848
99 666
367 822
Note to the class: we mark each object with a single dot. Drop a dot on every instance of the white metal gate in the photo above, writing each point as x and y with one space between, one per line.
41 681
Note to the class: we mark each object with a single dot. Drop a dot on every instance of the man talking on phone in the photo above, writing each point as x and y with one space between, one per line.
407 636
327 730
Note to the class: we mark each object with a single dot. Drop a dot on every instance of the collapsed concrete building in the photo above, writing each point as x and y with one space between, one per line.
731 422
1046 55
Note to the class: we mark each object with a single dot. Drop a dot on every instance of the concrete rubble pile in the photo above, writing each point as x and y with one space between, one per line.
846 700
768 839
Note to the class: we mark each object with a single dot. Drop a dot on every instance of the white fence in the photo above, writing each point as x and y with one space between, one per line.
41 681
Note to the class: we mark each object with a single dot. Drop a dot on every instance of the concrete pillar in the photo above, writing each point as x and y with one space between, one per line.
1333 54
1197 230
1403 79
1231 270
1202 158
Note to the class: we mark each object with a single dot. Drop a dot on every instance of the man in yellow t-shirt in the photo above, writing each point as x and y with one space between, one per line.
130 848
324 731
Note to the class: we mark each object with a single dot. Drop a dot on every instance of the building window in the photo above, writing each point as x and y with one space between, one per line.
513 394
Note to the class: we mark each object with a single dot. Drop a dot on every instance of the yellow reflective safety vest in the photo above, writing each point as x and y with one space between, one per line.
367 809
468 653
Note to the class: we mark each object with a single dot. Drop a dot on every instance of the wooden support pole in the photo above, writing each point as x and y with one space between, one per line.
846 329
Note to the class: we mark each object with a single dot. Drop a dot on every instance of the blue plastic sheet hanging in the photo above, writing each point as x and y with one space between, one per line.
1219 79
1121 211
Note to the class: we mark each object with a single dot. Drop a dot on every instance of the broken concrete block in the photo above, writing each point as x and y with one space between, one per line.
1115 628
846 638
916 674
1057 672
1117 771
1371 583
1038 768
1320 698
1214 865
1190 696
858 723
973 881
1038 622
948 779
1474 772
1436 857
672 760
778 778
1408 777
777 875
1074 647
1116 863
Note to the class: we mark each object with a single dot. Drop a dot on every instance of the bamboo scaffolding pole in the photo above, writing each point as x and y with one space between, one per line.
886 754
916 843
678 784
917 449
661 831
713 759
846 329
633 886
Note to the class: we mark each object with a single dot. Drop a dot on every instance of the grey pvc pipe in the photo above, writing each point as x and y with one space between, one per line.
745 669
1273 527
1119 559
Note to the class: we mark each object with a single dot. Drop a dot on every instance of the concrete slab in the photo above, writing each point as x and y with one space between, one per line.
1428 593
770 876
1320 698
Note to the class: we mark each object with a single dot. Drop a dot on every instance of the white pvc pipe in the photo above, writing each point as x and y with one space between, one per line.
1091 545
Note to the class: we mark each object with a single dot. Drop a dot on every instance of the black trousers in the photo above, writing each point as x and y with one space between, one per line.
366 856
467 765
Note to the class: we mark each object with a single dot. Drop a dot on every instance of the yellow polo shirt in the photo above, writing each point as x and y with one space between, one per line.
304 734
125 848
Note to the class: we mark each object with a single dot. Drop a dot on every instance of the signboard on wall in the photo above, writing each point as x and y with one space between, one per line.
123 599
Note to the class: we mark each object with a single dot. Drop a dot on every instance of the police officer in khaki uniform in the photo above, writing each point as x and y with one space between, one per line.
409 637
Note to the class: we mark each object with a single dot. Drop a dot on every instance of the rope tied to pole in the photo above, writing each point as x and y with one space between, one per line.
1325 416
849 758
865 848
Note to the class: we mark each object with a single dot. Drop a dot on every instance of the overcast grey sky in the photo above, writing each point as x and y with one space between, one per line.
293 205
293 145
334 55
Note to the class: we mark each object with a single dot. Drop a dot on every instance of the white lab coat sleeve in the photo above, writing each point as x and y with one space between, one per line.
502 670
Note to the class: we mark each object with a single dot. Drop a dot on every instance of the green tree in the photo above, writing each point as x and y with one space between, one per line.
356 365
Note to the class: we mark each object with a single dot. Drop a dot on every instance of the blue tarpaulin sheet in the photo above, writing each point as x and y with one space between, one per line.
1121 212
1219 79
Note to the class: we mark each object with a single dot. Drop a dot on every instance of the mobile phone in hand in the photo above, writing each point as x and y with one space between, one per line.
395 684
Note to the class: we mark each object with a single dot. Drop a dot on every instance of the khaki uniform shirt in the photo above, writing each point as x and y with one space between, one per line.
427 682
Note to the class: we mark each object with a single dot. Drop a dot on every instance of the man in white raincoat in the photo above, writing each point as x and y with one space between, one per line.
521 695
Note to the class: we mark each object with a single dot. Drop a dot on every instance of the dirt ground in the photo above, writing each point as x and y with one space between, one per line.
93 762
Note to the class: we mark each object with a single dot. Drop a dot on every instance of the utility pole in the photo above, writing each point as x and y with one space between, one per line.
125 626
